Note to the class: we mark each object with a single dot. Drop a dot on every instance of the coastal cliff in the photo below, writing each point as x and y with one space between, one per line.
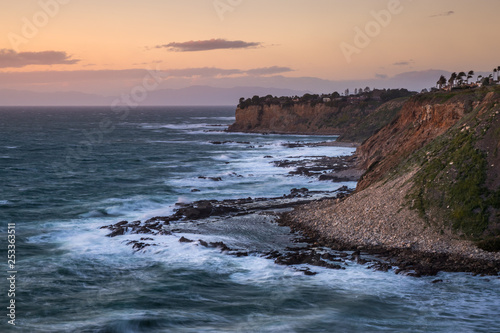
451 142
352 121
420 121
431 190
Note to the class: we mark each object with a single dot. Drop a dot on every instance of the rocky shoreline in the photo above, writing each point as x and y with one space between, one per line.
188 217
377 221
332 229
324 168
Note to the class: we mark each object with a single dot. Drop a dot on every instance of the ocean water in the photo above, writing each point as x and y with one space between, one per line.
65 172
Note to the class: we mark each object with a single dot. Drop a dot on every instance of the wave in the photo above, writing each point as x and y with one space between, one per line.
134 208
215 118
181 126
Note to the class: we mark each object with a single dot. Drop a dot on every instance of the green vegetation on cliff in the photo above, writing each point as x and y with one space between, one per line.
331 100
451 186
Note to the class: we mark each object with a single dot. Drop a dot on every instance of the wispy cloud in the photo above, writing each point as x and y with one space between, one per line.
202 72
125 75
219 72
404 63
448 13
11 58
381 76
208 45
269 70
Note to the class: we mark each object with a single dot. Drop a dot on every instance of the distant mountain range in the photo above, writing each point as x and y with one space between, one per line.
194 95
209 91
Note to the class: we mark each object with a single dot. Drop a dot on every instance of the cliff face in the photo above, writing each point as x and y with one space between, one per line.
354 122
299 118
418 123
450 143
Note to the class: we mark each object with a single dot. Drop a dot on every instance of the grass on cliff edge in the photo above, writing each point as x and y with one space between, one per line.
449 188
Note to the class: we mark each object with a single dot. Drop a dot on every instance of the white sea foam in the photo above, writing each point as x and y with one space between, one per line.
183 200
222 157
173 141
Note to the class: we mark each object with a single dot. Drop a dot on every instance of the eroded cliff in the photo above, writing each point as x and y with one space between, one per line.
420 121
353 122
450 142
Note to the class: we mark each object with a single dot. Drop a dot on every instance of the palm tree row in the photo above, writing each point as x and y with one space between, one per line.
459 79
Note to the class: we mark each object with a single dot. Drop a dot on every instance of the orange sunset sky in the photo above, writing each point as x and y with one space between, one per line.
103 47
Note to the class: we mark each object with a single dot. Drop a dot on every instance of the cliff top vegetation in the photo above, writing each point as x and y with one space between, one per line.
334 100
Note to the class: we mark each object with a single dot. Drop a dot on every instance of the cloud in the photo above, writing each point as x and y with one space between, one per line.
127 75
404 63
147 63
448 13
269 70
11 58
381 76
203 72
222 72
207 45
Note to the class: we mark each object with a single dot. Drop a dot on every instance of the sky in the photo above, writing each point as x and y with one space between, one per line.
107 47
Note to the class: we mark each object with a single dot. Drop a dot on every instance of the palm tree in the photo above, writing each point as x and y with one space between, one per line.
495 74
479 78
441 82
469 76
460 77
452 79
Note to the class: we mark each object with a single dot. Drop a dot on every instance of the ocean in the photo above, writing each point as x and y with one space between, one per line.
66 172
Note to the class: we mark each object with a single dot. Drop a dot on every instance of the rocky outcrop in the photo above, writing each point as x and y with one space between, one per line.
354 121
